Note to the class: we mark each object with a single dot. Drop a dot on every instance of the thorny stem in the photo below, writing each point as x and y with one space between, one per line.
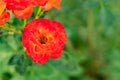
10 28
14 30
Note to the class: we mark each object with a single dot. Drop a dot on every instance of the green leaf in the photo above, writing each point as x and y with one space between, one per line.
67 64
14 59
37 71
107 17
21 62
6 76
21 65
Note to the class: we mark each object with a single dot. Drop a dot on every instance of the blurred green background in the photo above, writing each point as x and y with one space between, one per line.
92 51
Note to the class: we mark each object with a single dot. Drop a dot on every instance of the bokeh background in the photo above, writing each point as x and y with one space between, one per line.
92 51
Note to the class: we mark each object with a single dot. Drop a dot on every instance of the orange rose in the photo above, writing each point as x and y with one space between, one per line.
2 6
3 14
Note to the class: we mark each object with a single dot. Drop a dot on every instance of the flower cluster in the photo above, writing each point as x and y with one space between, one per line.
42 38
24 8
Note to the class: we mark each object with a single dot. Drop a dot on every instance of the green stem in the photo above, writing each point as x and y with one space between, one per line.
10 28
101 4
25 21
40 12
90 29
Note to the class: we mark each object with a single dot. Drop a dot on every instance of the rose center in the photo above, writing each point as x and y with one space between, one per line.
43 39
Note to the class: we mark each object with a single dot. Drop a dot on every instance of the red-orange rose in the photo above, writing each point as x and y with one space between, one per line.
19 4
4 17
43 39
48 4
26 13
41 2
21 8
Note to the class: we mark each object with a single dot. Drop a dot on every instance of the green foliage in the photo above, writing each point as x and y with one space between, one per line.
92 51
